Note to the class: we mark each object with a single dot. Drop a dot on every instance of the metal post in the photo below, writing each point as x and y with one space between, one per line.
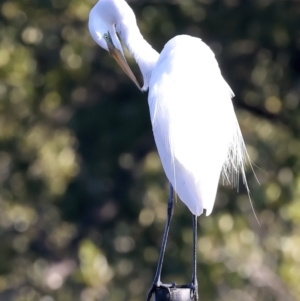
178 293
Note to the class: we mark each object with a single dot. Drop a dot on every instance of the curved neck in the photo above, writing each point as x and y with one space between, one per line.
143 53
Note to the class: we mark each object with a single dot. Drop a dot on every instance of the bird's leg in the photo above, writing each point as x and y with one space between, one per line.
156 282
194 282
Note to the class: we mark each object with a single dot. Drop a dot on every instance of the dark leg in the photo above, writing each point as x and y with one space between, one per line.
156 282
185 292
194 282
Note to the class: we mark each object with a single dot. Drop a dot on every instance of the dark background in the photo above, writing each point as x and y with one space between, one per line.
82 192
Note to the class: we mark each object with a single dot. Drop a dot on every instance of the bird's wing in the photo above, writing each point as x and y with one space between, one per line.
194 124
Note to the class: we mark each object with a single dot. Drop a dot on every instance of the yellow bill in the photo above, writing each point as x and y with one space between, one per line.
120 59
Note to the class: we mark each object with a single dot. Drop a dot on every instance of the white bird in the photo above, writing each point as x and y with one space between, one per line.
194 124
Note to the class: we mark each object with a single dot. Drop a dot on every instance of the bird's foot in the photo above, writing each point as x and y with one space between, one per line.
160 285
194 292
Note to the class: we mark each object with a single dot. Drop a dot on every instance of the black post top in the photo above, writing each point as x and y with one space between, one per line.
173 294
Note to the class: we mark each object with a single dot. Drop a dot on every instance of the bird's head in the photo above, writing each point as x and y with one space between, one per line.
102 26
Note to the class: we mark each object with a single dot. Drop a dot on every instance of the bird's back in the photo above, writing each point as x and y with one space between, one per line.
194 124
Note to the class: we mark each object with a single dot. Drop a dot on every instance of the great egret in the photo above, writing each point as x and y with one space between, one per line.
194 125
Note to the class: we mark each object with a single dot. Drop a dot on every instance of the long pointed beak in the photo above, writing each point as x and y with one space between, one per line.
120 59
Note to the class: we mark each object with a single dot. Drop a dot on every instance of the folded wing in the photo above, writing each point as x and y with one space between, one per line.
194 124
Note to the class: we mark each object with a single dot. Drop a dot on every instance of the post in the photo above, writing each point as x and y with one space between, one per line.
177 293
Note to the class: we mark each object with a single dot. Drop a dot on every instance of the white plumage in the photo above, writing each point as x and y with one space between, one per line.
194 124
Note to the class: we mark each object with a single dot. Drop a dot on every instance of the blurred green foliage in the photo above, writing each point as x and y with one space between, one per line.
82 192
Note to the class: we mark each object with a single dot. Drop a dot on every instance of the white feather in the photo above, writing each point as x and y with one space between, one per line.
194 124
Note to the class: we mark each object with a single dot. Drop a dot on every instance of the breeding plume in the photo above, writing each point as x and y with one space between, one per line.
194 125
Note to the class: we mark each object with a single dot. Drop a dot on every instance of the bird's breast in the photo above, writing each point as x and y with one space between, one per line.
193 120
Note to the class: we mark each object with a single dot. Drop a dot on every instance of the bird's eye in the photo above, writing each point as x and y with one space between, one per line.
106 37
